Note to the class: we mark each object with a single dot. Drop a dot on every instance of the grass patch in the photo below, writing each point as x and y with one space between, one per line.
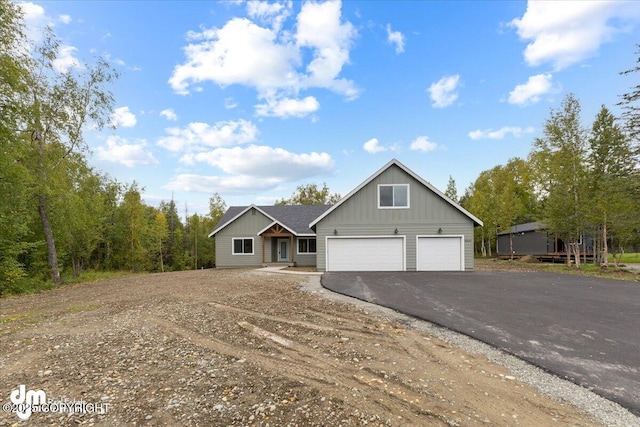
26 286
626 258
493 264
82 308
94 276
11 319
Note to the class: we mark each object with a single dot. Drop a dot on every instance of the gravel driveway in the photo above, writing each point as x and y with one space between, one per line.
247 348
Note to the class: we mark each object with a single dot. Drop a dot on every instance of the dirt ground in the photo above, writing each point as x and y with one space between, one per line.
246 348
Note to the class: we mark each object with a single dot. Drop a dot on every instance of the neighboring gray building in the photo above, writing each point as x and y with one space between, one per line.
534 239
393 221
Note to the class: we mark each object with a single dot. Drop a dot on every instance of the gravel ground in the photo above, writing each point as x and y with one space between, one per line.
249 348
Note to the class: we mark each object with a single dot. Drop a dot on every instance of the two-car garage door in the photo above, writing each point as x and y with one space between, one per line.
434 253
365 254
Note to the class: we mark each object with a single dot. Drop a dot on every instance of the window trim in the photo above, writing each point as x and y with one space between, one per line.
395 207
308 252
233 246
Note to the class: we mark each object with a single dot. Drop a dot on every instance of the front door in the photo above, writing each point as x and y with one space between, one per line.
283 250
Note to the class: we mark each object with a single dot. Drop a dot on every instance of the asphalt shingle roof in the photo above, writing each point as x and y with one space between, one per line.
294 217
523 228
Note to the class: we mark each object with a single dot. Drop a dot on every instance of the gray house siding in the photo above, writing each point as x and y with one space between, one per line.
303 259
246 226
526 243
427 213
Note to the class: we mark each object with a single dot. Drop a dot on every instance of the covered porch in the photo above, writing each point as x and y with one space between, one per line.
277 246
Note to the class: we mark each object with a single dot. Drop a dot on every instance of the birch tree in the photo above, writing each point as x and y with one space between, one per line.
560 160
58 104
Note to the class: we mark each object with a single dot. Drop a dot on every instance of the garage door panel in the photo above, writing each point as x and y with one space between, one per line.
440 254
365 254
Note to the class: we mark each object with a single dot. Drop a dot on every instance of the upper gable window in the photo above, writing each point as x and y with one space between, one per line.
393 196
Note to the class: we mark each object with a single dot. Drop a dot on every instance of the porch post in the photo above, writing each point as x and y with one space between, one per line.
292 249
262 238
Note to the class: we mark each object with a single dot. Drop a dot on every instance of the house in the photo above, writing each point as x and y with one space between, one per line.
534 239
393 221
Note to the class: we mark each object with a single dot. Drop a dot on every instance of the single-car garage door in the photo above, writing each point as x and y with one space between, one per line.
440 253
365 254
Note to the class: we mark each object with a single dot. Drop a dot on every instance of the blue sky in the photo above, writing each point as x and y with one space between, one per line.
251 99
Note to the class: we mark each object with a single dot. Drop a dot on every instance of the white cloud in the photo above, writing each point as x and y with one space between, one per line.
240 52
288 107
123 117
532 90
271 60
35 20
198 136
119 150
169 114
373 146
396 38
232 185
65 60
517 132
273 14
422 143
319 28
252 168
230 103
563 33
443 92
65 19
265 161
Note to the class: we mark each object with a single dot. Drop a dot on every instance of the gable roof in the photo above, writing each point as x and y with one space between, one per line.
409 172
295 218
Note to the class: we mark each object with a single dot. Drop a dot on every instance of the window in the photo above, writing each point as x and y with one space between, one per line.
243 246
307 246
393 196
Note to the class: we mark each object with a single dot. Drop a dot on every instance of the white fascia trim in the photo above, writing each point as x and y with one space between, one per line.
214 232
280 224
411 173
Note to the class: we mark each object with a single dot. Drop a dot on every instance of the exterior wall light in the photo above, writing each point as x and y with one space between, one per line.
440 230
395 231
335 232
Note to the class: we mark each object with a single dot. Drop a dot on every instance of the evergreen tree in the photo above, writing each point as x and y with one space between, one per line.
451 191
613 181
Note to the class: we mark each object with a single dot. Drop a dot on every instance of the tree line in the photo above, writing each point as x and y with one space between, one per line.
577 180
58 216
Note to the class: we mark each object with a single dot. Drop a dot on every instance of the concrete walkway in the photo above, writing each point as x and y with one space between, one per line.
283 269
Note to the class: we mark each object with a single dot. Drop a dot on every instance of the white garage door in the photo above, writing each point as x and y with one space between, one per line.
365 254
440 253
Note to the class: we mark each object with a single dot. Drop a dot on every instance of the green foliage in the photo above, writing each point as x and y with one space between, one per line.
310 194
559 158
501 197
629 103
451 191
613 184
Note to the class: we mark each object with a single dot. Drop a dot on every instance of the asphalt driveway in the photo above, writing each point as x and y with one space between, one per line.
584 329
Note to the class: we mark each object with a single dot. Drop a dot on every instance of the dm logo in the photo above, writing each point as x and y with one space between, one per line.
25 401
